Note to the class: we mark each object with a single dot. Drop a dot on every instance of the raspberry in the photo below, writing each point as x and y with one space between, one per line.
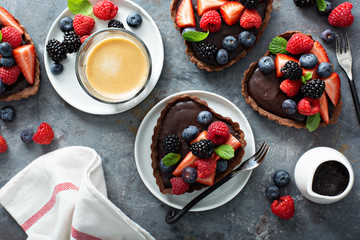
83 38
203 148
3 145
179 186
83 25
341 16
218 132
11 36
9 75
205 167
290 87
211 21
250 19
105 10
308 106
299 43
284 208
44 134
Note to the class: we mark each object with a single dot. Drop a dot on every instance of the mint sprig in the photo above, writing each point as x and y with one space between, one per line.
306 78
171 159
0 37
312 122
278 45
225 151
82 7
321 5
195 36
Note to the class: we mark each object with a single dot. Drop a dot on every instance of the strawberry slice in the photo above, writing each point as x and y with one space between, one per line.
207 181
25 58
324 108
332 87
280 61
231 12
312 71
319 51
185 15
8 20
206 5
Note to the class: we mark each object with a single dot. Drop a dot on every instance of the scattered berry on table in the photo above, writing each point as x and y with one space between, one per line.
203 148
218 132
222 57
179 186
247 39
327 9
341 16
272 192
299 43
249 4
221 165
231 12
292 70
284 208
205 167
115 24
165 168
3 87
3 145
229 43
83 38
7 114
190 133
188 29
44 134
290 87
134 19
105 10
26 136
281 178
83 25
205 118
324 70
7 61
250 19
328 36
5 49
71 41
171 144
66 24
9 75
11 36
313 88
189 175
206 51
211 20
304 3
289 106
308 61
56 68
308 106
266 65
56 50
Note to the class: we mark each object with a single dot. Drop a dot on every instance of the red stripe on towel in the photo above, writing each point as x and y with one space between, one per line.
47 207
82 236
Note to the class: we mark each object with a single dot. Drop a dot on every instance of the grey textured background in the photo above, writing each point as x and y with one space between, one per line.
247 216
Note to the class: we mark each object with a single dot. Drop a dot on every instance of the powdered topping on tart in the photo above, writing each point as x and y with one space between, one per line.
193 146
294 83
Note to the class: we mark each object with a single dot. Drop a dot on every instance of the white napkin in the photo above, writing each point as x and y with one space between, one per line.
62 195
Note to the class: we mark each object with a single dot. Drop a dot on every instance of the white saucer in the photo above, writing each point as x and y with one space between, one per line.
66 83
143 160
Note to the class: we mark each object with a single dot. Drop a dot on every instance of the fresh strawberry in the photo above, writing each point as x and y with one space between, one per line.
11 36
205 167
8 20
179 186
319 51
290 87
312 71
284 208
280 61
324 108
9 75
44 134
3 145
250 19
105 10
83 38
341 16
211 21
299 43
231 12
185 15
218 132
206 5
308 106
83 25
25 58
332 87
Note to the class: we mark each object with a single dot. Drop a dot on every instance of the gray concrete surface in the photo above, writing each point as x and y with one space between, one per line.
247 216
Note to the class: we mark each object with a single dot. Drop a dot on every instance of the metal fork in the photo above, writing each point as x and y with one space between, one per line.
343 55
254 161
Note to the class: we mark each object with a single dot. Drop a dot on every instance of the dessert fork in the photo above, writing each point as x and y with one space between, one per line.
254 161
343 55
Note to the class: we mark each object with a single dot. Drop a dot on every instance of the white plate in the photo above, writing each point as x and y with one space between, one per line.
66 83
143 161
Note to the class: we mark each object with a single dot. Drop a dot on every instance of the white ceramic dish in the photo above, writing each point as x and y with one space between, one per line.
143 161
66 83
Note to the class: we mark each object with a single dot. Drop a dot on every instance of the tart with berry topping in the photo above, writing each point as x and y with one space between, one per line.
219 32
294 83
193 146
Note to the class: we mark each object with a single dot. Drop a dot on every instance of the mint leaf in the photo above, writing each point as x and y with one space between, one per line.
306 78
225 151
194 36
321 5
82 7
278 45
0 37
171 159
312 122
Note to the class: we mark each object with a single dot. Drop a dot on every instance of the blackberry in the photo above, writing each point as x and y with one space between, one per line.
292 70
249 4
56 50
171 144
203 148
115 24
304 3
71 41
206 51
313 88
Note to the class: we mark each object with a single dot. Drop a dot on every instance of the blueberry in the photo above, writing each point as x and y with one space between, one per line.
324 70
26 136
308 61
190 133
247 39
7 61
5 49
7 114
229 43
3 87
221 165
165 168
272 192
205 117
188 29
56 68
222 57
189 175
134 19
281 178
328 36
66 24
327 9
266 65
289 106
